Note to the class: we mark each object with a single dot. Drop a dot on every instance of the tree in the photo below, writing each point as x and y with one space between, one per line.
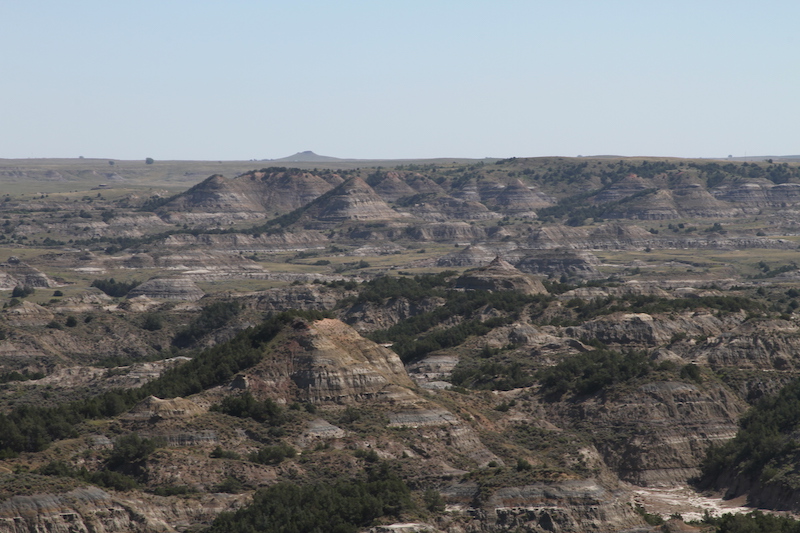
21 291
152 322
149 161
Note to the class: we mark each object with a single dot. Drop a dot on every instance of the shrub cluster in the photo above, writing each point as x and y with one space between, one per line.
590 372
31 428
765 438
114 288
341 507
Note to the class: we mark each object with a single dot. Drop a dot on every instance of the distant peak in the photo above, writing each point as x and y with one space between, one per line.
307 157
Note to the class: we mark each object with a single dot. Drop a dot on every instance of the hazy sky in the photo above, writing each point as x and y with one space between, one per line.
174 79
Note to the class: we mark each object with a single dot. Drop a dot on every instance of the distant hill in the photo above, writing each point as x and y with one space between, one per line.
307 157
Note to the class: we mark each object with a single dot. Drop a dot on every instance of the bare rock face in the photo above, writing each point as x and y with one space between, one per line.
268 243
15 272
152 407
470 256
458 232
28 314
371 316
694 200
353 200
557 263
391 188
328 362
602 237
559 506
259 193
215 194
339 363
661 430
658 206
282 299
624 188
644 330
444 208
566 506
93 509
630 288
168 289
500 275
764 345
751 195
516 198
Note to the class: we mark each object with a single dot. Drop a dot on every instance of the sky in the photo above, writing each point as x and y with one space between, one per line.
382 79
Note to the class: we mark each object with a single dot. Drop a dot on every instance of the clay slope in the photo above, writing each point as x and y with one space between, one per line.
329 362
15 272
515 197
265 193
352 200
500 275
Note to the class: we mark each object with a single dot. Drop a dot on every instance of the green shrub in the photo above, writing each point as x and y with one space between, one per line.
272 455
212 317
230 485
246 406
114 288
589 372
692 372
219 453
433 501
22 291
342 507
152 322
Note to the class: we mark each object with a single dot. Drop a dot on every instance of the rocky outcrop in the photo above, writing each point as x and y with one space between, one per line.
658 434
328 362
500 275
561 506
370 316
27 314
298 240
259 194
444 208
320 430
602 237
515 198
152 407
754 344
644 330
168 289
694 201
657 206
15 272
458 232
560 262
91 509
392 187
469 256
285 298
630 288
352 200
624 188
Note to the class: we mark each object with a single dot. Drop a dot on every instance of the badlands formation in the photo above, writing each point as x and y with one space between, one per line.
524 344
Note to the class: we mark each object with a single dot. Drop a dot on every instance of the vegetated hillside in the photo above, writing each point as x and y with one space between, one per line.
761 461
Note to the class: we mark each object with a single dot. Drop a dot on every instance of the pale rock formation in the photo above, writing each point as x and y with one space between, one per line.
168 289
500 275
560 262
